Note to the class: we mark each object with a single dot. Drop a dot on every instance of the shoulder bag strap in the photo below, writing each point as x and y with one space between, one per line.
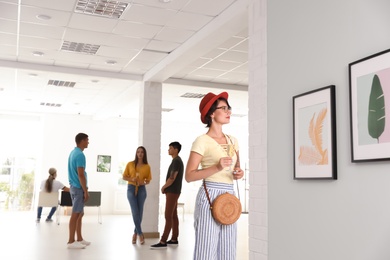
207 194
238 158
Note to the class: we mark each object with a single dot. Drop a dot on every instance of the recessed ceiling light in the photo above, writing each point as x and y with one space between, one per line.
165 1
37 53
33 75
43 17
111 62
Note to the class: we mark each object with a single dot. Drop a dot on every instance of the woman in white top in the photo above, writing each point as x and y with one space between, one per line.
49 185
218 169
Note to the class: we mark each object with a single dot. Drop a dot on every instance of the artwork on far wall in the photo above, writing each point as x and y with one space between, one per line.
369 95
314 129
103 163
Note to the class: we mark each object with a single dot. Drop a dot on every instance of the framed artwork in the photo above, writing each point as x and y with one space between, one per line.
314 129
369 95
103 163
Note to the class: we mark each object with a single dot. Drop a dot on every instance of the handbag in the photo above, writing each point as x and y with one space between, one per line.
225 209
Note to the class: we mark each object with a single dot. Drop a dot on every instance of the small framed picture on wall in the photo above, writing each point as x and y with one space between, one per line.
103 163
314 130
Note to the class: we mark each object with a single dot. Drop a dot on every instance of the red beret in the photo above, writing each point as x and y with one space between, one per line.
207 101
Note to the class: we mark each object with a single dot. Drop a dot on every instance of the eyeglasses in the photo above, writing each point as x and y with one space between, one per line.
225 108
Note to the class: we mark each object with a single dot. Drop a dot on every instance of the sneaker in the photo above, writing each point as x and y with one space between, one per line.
76 245
49 220
84 242
170 242
159 245
38 220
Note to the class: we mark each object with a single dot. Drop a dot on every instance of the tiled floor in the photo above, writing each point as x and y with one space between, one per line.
22 238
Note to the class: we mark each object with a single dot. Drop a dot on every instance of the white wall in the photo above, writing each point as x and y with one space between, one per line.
310 44
58 140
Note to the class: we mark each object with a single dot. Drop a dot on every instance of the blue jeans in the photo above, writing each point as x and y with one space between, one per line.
137 203
53 209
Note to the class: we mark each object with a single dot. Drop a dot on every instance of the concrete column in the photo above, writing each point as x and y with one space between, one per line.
150 138
257 92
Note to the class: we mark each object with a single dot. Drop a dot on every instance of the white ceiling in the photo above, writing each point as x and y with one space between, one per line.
192 46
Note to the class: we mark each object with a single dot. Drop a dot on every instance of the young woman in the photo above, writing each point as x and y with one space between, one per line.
137 174
49 185
218 170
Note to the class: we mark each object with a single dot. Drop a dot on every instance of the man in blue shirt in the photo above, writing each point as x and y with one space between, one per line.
78 182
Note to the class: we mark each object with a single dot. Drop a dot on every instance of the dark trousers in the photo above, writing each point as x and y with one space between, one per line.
171 219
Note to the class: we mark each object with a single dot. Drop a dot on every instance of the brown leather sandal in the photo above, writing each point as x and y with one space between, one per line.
142 239
134 240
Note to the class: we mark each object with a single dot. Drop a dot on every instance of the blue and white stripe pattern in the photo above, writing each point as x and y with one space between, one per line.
213 241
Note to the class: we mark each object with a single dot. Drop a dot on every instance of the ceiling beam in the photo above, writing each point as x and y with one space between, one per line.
67 70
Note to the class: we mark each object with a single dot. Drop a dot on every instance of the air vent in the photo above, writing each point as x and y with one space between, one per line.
61 83
166 109
80 47
106 8
192 95
50 104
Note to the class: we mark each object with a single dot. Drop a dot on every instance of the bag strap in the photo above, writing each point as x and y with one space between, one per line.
238 158
207 194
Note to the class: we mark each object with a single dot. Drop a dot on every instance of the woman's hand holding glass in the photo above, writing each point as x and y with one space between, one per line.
225 163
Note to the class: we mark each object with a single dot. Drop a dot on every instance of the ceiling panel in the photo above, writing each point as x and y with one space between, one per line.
206 7
148 15
174 35
50 17
136 30
92 23
9 11
8 26
39 30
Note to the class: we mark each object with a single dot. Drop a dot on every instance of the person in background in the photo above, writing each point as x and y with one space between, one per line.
49 185
218 170
78 181
137 174
172 190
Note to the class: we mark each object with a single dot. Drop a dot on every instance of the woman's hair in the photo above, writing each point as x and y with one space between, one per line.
49 181
213 107
145 158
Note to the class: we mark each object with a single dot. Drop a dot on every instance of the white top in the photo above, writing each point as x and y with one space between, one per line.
57 185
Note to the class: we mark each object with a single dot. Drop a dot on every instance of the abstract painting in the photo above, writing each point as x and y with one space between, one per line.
314 130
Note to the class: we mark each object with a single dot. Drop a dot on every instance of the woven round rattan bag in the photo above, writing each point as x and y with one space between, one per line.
226 209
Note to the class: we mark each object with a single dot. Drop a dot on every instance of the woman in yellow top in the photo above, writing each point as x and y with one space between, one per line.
137 174
218 155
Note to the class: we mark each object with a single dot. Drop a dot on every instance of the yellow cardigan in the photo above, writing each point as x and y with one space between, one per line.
144 172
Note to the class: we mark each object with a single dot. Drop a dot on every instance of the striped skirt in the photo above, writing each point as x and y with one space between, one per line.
213 241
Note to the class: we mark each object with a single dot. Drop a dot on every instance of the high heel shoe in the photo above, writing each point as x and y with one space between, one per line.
134 240
142 239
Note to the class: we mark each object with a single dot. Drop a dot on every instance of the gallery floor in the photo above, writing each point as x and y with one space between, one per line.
22 238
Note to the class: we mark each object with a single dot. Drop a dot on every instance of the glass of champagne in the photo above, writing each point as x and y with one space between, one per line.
229 150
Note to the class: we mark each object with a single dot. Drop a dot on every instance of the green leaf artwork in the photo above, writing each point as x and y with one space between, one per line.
376 110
